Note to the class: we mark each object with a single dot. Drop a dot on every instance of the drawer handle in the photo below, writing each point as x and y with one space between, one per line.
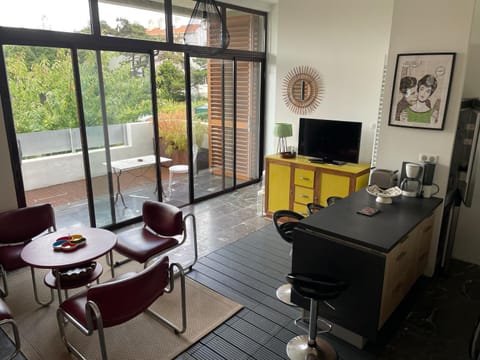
401 255
304 178
305 196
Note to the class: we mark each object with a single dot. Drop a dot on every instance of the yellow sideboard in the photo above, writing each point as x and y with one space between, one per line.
293 183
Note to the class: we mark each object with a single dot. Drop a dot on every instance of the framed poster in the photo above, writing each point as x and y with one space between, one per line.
420 90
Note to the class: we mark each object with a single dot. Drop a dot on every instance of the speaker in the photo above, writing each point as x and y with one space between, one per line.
428 173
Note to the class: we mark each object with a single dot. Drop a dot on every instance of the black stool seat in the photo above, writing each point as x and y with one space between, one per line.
317 288
285 222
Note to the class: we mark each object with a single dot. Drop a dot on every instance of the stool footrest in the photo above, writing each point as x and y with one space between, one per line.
322 325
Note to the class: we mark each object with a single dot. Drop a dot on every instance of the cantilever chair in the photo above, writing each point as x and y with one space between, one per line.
7 318
285 221
164 229
120 300
17 228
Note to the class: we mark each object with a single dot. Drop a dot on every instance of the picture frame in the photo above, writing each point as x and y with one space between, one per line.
421 88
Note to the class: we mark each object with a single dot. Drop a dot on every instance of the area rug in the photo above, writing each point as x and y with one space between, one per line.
141 338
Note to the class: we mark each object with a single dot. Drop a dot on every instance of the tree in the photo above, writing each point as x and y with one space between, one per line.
170 82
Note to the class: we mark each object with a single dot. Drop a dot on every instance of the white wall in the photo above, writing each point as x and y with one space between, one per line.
346 42
426 26
467 238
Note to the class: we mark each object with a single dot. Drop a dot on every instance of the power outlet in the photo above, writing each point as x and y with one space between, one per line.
430 158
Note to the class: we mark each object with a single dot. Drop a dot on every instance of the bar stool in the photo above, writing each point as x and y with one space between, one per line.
285 221
316 288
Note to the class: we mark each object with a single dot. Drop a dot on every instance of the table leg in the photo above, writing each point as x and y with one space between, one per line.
119 192
35 291
56 273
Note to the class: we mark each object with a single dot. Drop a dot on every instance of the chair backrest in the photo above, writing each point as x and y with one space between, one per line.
313 208
123 299
23 224
316 286
333 199
162 218
282 219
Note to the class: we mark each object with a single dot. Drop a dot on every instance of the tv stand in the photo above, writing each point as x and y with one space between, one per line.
293 183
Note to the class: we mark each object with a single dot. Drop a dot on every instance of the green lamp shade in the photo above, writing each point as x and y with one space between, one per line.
282 130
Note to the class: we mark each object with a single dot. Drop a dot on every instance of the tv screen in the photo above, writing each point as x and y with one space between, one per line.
330 140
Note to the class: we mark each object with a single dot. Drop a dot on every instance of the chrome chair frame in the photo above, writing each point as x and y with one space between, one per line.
16 336
189 266
94 316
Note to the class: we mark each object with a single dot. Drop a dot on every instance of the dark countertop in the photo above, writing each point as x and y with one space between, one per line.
380 232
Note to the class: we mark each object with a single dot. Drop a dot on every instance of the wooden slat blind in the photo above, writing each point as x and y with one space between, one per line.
244 30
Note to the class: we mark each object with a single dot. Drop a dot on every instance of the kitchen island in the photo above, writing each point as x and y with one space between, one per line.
380 257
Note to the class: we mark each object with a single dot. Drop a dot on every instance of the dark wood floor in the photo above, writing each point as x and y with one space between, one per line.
249 271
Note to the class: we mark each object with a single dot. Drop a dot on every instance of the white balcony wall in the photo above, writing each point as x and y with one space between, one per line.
58 169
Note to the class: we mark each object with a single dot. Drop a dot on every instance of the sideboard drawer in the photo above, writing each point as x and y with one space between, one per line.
304 177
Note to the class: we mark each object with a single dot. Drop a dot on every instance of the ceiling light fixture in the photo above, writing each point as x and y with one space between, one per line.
206 26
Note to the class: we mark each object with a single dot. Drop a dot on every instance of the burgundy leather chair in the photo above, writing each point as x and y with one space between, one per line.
17 228
163 230
7 318
99 307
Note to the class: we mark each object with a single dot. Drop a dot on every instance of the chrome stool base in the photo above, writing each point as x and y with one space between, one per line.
283 294
298 349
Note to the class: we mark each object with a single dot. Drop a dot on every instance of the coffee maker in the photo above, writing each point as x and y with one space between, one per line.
411 179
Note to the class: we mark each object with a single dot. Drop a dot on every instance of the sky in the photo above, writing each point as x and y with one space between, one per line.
67 15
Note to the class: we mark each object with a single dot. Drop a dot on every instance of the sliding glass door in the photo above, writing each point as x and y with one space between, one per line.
109 183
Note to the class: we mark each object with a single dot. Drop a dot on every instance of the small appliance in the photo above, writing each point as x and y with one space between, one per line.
384 178
412 175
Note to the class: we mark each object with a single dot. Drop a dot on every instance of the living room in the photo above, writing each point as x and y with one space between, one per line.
354 45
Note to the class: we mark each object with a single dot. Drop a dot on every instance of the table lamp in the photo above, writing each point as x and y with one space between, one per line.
282 131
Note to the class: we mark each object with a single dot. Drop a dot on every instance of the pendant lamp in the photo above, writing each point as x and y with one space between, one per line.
206 26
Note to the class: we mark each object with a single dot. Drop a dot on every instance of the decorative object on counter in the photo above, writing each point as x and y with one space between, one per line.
421 89
384 196
282 131
302 89
206 26
69 243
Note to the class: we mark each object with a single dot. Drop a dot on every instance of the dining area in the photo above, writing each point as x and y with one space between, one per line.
72 291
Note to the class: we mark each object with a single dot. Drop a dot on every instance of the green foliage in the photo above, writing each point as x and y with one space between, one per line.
170 82
42 88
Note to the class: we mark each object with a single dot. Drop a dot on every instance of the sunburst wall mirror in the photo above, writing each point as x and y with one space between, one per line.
302 89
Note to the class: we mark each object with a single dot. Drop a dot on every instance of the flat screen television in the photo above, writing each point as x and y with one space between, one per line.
330 141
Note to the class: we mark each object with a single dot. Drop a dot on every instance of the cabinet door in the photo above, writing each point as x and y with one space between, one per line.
278 188
400 275
332 185
425 232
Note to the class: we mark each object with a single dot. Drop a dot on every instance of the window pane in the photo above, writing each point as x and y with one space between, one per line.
246 30
181 12
133 21
56 15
